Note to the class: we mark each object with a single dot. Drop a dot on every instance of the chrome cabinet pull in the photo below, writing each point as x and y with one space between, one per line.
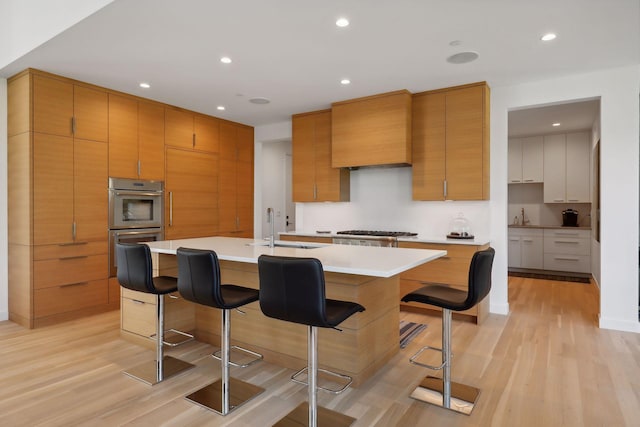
139 169
170 208
73 230
315 191
445 188
72 244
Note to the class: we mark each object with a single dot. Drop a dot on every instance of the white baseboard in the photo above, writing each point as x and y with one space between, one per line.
499 309
619 324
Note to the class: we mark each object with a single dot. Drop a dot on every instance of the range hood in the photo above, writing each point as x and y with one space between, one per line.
372 131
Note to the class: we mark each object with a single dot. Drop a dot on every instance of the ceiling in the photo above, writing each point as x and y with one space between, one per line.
570 117
291 51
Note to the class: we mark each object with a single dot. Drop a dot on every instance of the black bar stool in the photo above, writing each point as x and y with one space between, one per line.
293 290
442 391
199 282
135 273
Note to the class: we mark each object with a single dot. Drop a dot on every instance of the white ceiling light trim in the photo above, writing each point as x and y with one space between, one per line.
225 60
548 37
342 22
220 107
345 82
145 85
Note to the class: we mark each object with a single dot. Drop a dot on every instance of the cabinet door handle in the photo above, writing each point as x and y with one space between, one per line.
67 258
72 244
73 125
193 142
170 208
445 188
70 285
516 180
137 301
568 242
527 240
315 191
73 230
139 168
565 259
574 200
558 200
528 180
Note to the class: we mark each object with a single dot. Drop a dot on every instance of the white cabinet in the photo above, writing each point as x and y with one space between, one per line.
567 250
526 160
566 168
526 248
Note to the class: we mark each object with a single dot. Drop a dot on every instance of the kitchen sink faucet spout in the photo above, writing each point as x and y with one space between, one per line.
271 221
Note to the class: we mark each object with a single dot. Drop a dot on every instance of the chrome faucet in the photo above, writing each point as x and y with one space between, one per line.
524 222
271 221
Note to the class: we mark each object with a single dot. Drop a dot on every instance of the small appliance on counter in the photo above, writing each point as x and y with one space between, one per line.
569 218
460 228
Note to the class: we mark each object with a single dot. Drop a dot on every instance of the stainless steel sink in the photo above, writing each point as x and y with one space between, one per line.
285 244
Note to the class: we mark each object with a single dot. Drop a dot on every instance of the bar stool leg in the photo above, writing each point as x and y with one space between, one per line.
227 393
163 367
312 349
442 391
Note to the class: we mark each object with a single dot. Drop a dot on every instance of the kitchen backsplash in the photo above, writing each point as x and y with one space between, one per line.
530 197
381 200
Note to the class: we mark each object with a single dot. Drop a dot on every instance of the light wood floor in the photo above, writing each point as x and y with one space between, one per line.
546 364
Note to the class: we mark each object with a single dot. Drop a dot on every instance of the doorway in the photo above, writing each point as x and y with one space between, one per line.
275 183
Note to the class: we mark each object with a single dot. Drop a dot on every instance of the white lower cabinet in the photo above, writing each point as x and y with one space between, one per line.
525 248
567 250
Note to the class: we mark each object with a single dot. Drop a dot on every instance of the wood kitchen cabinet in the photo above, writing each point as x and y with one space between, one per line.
185 129
450 137
314 180
451 270
191 194
235 187
58 200
136 138
526 160
567 168
374 130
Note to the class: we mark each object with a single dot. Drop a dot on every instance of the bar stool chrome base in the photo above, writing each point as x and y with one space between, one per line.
211 396
174 337
148 371
431 390
326 417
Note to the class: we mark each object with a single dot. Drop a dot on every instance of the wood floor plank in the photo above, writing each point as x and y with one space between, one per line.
546 363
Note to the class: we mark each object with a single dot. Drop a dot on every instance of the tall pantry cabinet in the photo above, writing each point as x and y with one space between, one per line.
57 173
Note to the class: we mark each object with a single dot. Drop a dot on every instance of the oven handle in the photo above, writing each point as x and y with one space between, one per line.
170 208
138 193
125 232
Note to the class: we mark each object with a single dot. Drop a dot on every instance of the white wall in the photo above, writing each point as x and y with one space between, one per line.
618 90
273 185
26 24
4 306
595 244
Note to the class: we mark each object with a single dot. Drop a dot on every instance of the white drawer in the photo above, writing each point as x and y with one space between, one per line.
561 262
567 245
567 232
534 232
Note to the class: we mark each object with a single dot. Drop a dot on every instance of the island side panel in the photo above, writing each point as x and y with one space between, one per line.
368 340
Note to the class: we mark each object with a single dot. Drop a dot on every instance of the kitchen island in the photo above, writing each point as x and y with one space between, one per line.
366 275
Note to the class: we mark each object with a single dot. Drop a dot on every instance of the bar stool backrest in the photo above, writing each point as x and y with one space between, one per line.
199 277
134 267
479 277
293 289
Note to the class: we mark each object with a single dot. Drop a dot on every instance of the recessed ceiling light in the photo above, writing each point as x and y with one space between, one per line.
342 22
145 85
259 100
462 57
225 60
548 37
221 107
345 81
555 124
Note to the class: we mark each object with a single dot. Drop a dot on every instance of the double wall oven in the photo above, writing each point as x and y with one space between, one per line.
136 210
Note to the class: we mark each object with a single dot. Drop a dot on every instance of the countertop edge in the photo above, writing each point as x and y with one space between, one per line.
477 241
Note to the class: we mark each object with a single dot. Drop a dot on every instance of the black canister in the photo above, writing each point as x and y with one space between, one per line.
570 218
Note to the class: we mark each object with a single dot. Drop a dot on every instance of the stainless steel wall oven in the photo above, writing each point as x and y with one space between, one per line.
136 211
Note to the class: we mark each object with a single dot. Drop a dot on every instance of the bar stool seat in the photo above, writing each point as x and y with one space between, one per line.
442 391
293 290
135 273
199 282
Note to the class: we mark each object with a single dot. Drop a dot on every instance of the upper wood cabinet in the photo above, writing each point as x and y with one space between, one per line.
136 138
186 129
236 180
314 180
370 131
63 108
451 143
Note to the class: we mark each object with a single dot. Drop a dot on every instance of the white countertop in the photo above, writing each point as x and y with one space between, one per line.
549 227
360 260
477 240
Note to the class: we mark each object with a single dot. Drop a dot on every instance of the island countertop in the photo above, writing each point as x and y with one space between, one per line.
346 259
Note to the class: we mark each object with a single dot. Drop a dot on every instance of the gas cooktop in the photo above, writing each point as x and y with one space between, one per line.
377 233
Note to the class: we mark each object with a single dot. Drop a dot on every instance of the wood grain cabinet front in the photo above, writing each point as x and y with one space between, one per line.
235 184
185 129
314 179
451 270
450 142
